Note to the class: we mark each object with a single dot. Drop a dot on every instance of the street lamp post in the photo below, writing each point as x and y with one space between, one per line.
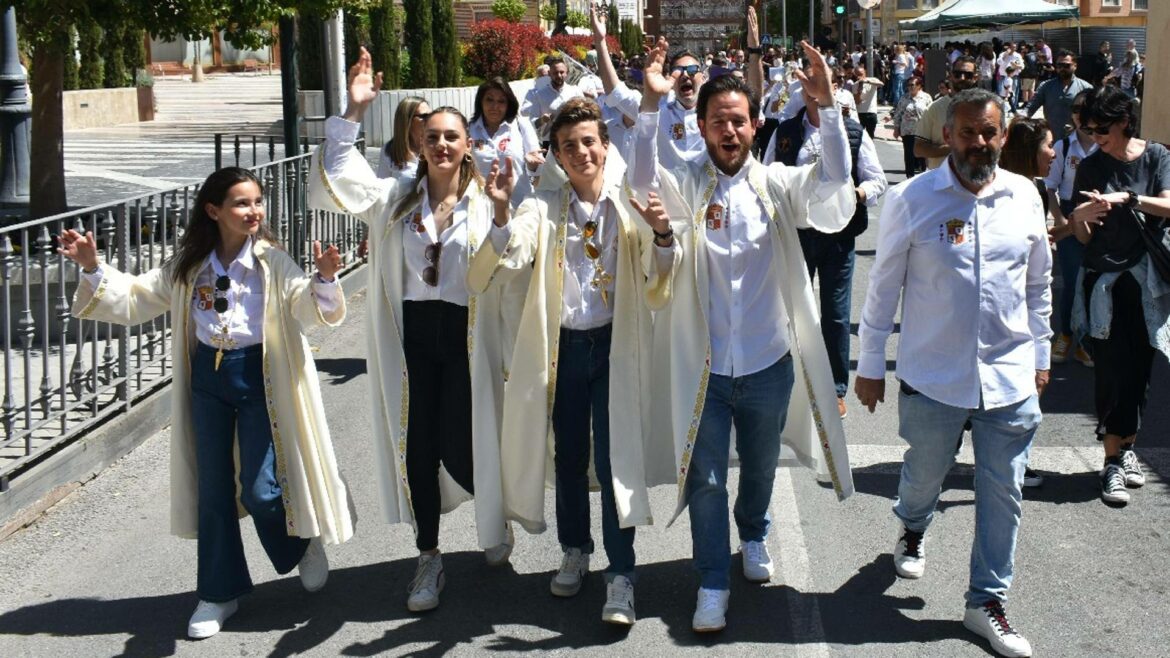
15 124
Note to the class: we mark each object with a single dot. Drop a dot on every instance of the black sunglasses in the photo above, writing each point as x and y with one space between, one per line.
1064 65
222 284
422 116
1100 130
690 69
431 273
965 75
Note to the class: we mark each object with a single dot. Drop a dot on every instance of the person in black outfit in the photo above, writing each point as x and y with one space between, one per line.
1124 302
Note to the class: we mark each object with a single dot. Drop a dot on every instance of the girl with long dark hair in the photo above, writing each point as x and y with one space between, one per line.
247 403
499 131
436 349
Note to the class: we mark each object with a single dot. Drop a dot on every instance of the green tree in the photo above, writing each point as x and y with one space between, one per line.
114 74
356 32
631 38
386 41
89 45
310 59
512 11
446 48
420 43
134 50
71 69
577 19
613 17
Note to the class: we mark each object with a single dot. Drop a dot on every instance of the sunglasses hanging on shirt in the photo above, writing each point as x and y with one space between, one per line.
432 253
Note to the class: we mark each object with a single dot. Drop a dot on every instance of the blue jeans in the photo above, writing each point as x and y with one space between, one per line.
757 404
227 403
831 258
1070 253
1001 438
897 88
582 395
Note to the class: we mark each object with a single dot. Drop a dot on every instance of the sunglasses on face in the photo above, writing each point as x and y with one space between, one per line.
422 116
690 69
431 273
1100 130
222 284
964 75
1064 65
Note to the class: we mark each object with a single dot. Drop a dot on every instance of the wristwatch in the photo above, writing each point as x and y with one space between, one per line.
1132 200
757 50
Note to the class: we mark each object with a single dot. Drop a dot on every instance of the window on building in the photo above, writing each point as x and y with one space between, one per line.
908 4
1110 3
1141 5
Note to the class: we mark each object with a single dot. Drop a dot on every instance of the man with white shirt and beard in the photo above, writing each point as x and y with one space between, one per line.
966 247
736 336
540 105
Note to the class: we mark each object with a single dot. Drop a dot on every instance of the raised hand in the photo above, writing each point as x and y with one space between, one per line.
653 213
597 22
363 86
81 249
500 182
328 261
819 84
656 82
753 31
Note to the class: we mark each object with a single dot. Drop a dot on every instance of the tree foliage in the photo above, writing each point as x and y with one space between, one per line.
420 43
631 38
512 11
446 44
89 46
386 42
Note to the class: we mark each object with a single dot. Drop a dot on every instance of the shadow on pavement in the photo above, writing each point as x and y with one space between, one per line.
882 480
341 371
477 600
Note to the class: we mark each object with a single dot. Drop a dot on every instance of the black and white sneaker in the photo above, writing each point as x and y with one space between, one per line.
1113 484
1032 478
1134 477
910 553
990 621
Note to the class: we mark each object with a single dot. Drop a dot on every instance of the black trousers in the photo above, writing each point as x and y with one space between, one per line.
439 429
763 136
912 164
868 121
1122 362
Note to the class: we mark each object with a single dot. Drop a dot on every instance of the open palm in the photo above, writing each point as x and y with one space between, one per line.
654 76
363 83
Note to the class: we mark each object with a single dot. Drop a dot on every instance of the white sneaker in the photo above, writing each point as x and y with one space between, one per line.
428 582
1113 485
497 556
990 621
574 566
314 566
209 617
710 610
619 602
910 553
757 564
1134 477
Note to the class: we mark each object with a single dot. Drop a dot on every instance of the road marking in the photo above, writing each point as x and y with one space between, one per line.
787 543
1065 460
77 169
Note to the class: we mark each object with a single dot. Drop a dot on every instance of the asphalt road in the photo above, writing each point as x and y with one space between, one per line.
98 575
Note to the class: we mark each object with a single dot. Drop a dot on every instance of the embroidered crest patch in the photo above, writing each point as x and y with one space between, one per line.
204 298
1074 162
953 231
678 131
416 223
715 217
503 145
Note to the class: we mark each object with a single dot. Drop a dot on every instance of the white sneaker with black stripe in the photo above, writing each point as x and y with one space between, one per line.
1113 484
1134 477
910 553
990 621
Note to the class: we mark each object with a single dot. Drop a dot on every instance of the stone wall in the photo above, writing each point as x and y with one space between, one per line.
95 108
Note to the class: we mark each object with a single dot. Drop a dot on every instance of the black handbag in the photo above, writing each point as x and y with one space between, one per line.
1153 233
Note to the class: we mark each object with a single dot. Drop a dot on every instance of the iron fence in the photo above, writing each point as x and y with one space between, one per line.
63 376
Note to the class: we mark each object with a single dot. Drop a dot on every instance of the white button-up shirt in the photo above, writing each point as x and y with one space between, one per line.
745 310
973 272
547 100
418 234
1064 166
582 304
869 169
244 317
679 139
512 139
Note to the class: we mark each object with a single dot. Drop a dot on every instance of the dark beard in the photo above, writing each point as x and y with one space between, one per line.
978 174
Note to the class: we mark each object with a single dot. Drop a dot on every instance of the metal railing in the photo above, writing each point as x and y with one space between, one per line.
63 376
238 147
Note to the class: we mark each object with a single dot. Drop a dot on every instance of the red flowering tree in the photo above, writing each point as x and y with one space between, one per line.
576 45
505 49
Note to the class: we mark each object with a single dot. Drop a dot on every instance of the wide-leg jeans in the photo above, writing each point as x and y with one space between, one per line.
227 404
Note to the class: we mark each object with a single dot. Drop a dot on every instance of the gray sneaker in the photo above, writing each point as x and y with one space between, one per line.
427 584
1113 485
619 602
574 566
1134 477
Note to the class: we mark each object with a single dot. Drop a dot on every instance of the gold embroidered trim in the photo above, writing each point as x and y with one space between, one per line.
96 298
277 442
693 428
403 425
325 180
559 285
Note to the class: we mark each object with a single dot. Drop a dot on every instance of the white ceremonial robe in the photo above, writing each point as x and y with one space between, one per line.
357 191
316 502
795 198
539 231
